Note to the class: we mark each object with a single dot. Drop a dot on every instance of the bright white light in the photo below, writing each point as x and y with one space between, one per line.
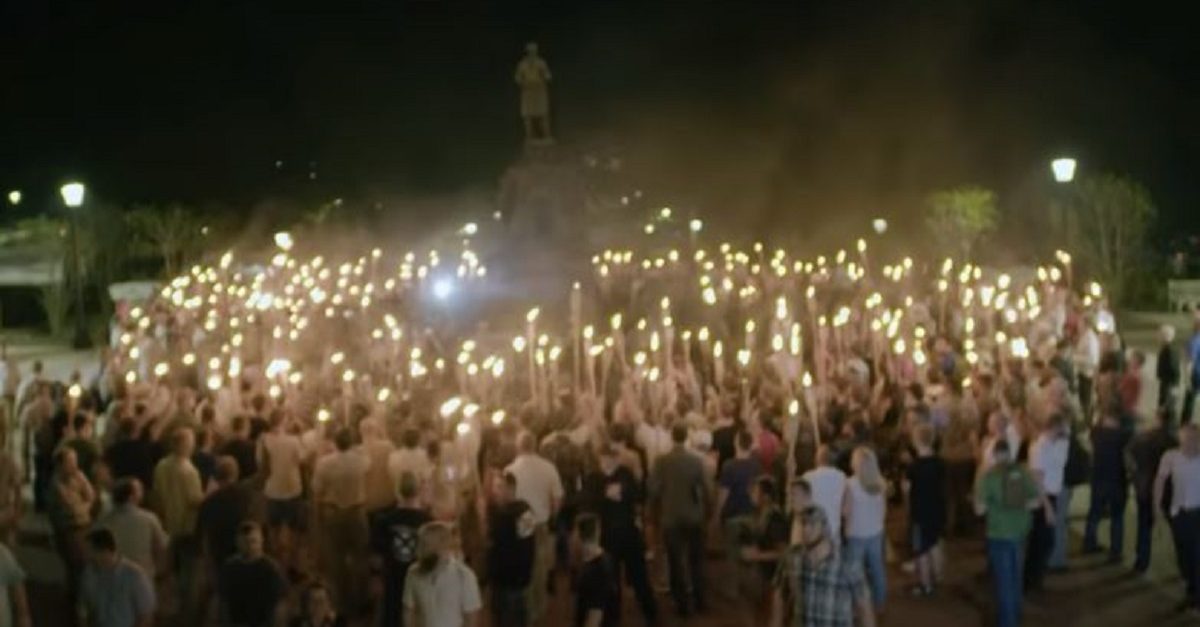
1064 169
283 240
14 197
470 228
72 194
450 406
880 225
696 225
443 288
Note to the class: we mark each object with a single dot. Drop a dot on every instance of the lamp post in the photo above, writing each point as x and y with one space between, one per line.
72 195
1063 169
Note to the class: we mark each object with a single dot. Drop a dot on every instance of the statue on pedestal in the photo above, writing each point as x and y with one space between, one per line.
533 77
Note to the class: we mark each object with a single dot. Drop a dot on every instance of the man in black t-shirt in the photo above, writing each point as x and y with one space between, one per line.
725 440
394 534
223 511
597 601
129 455
510 553
241 447
614 494
217 521
252 588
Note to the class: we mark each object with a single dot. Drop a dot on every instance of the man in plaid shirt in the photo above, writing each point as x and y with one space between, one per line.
827 589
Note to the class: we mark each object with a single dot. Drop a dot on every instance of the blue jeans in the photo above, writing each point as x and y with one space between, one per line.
1004 559
1185 530
1062 511
1189 402
869 553
1108 500
1145 532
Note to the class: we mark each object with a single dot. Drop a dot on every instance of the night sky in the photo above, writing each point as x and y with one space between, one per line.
778 109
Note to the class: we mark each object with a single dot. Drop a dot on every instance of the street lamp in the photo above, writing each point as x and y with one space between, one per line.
1064 172
879 225
14 197
72 195
1064 169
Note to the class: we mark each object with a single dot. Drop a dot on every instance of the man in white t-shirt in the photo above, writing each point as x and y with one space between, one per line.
1047 463
1182 465
539 485
828 487
440 590
654 440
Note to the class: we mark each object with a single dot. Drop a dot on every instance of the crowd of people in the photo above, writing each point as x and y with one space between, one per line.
234 487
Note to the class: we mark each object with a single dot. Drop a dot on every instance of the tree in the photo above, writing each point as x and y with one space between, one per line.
170 233
1114 214
961 216
49 237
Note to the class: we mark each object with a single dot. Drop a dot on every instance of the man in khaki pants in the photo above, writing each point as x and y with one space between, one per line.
539 485
340 494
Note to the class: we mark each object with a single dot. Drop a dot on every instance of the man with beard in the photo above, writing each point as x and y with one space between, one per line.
612 492
440 591
825 587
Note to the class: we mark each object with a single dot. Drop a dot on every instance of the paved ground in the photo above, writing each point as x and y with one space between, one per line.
1090 593
59 360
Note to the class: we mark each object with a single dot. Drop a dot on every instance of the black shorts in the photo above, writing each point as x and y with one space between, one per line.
923 538
287 513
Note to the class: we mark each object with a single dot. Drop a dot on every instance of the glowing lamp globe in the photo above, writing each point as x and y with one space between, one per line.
72 194
1064 169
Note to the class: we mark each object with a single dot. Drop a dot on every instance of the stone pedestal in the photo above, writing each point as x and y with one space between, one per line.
543 199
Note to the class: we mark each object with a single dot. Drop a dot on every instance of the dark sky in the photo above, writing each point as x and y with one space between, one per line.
781 109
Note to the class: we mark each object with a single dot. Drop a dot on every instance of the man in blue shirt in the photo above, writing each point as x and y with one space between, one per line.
114 592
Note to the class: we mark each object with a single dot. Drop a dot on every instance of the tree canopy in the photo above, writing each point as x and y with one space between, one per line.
959 217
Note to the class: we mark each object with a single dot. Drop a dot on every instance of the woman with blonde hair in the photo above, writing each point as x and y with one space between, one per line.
864 508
